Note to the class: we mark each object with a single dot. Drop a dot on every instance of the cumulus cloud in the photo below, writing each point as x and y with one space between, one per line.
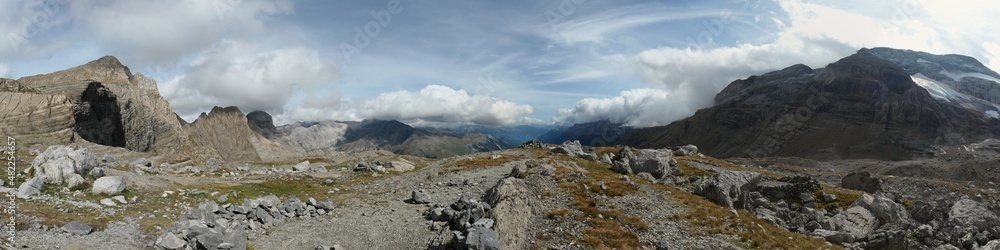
154 31
634 108
244 75
434 105
146 32
441 104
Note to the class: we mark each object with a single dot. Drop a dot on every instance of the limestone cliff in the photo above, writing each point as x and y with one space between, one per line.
226 132
147 122
29 116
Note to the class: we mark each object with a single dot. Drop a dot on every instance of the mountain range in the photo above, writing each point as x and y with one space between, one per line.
103 102
878 103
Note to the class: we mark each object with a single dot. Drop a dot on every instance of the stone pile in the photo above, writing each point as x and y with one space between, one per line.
532 144
467 222
374 166
229 226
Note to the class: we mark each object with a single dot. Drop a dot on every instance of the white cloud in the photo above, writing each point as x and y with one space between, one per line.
634 108
25 23
4 70
156 31
434 105
992 52
243 75
441 104
143 33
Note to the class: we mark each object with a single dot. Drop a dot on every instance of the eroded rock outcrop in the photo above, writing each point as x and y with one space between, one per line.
63 165
227 133
87 94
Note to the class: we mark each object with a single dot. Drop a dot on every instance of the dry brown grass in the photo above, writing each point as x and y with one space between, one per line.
688 171
607 227
708 219
605 150
557 213
845 197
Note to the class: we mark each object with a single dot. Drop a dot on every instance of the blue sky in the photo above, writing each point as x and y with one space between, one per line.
440 63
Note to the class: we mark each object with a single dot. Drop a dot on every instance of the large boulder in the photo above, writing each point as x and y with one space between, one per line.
77 228
142 164
658 163
726 186
883 208
302 166
30 187
972 213
420 197
862 181
170 241
110 185
482 238
687 150
856 221
571 148
58 164
511 212
834 237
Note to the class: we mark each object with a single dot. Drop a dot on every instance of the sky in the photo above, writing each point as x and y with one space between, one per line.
494 63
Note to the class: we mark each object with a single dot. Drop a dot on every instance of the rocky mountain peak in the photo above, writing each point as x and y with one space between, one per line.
108 61
262 123
866 105
225 110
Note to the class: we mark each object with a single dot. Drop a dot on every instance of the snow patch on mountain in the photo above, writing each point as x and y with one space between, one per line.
937 89
959 76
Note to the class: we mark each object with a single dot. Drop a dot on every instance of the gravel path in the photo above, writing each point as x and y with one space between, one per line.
118 235
382 219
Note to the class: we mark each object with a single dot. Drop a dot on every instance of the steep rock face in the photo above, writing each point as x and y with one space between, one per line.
32 116
312 137
147 120
226 132
262 123
861 106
